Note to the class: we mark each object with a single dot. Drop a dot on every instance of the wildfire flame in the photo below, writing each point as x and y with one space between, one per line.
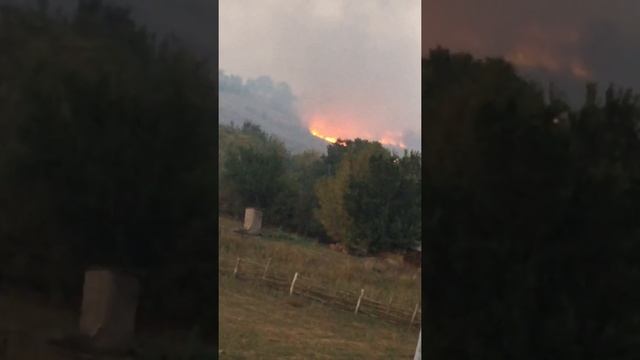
393 142
554 50
332 127
388 139
325 138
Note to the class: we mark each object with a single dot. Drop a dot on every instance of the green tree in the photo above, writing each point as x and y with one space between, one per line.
370 203
304 171
254 172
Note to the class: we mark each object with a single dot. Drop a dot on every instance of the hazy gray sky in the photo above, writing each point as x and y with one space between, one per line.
586 40
193 21
354 64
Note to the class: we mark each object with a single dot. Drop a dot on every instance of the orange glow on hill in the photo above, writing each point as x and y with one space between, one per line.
554 51
392 140
325 138
332 129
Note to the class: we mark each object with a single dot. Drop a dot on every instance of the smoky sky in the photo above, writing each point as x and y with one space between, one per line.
584 40
193 22
353 65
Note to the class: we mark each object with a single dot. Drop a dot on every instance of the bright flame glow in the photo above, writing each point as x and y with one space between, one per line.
391 142
325 138
393 139
331 130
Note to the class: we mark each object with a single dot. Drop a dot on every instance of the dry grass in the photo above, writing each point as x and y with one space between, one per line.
28 323
256 322
260 323
380 278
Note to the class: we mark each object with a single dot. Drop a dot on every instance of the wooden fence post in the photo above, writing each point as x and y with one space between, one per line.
235 270
295 277
415 311
264 274
389 306
359 299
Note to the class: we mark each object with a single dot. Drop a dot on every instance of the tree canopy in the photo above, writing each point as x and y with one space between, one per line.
531 221
359 193
108 152
372 202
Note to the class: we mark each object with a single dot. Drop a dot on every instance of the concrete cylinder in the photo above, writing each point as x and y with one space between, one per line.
252 220
109 303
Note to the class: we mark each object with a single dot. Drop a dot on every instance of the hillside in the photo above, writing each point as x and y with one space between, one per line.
238 108
273 107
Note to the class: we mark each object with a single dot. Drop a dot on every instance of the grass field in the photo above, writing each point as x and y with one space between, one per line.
28 322
257 322
290 254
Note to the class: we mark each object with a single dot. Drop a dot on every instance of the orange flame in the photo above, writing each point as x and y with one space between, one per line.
332 128
554 50
325 138
393 139
399 144
349 130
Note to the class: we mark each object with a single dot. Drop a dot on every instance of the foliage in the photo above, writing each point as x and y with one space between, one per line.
530 217
255 172
372 202
359 193
108 150
258 171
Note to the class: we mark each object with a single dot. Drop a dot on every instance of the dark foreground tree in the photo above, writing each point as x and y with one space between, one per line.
109 149
531 217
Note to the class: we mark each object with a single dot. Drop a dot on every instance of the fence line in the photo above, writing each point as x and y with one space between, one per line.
344 299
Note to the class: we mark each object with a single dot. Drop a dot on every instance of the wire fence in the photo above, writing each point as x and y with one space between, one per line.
344 299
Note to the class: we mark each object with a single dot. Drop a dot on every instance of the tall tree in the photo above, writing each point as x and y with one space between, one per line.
528 231
370 203
110 143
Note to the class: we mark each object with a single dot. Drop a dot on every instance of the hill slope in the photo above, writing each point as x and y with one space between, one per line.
238 107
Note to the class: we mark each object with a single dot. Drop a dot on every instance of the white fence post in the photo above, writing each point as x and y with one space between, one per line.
415 311
418 355
235 270
295 277
264 275
359 299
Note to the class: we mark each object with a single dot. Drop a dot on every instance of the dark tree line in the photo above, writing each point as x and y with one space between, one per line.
359 193
531 216
108 145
